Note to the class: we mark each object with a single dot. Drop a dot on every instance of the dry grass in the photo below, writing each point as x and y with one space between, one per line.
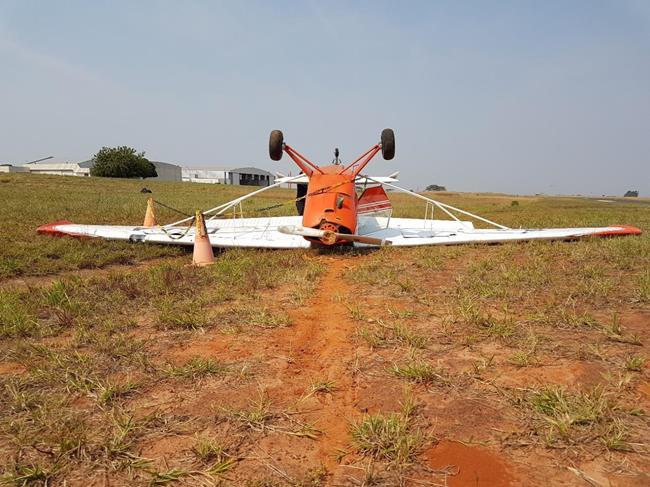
134 374
394 437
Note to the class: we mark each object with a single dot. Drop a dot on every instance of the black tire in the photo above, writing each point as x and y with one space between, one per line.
388 144
276 144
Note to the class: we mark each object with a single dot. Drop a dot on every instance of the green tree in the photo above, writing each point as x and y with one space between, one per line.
122 162
435 187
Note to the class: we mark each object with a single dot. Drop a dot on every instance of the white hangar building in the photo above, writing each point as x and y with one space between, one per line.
243 176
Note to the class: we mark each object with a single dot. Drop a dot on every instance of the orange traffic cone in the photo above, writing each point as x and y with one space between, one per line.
149 216
203 254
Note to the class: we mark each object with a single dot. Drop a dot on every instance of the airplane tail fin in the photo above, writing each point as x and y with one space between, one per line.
373 200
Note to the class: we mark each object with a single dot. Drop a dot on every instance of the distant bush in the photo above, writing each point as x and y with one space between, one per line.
122 162
631 194
514 203
435 187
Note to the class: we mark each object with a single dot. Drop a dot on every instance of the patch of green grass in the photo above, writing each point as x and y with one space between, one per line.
419 371
565 317
107 392
614 331
197 367
644 287
634 363
393 437
570 408
400 314
167 476
527 355
616 436
373 336
324 386
116 346
16 315
28 474
522 358
406 285
207 449
381 270
581 416
498 277
260 417
357 312
213 453
500 327
20 397
480 366
266 318
257 416
76 372
405 335
124 429
381 334
174 315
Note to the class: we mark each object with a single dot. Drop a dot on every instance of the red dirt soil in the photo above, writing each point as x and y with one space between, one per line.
475 466
320 344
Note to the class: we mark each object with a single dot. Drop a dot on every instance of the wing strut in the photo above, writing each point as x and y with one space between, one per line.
218 210
444 207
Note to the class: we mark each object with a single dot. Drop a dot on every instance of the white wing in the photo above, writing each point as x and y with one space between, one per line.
239 232
408 232
263 232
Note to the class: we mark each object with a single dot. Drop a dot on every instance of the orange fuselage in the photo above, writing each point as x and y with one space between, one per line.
331 201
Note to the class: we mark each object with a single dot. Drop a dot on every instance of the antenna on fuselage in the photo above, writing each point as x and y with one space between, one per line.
336 160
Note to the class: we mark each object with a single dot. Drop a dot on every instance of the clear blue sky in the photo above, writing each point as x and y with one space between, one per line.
520 97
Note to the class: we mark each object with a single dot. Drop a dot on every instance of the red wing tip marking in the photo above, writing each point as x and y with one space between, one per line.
620 230
49 229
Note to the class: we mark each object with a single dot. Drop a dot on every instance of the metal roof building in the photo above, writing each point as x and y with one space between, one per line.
12 168
244 176
57 168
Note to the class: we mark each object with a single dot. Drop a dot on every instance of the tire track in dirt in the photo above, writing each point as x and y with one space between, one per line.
319 347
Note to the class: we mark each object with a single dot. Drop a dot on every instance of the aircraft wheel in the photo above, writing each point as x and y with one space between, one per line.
276 144
388 144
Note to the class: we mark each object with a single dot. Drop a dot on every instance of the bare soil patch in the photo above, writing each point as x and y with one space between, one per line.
469 466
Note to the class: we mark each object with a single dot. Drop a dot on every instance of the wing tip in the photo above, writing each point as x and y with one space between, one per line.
50 228
620 230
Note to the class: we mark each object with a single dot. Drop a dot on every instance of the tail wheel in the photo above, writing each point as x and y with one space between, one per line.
388 144
276 144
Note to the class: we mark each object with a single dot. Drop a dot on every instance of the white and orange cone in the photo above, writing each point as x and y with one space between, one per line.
149 216
203 254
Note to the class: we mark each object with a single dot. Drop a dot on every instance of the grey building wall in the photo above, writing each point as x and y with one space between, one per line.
167 172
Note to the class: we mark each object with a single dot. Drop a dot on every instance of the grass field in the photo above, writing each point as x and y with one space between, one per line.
520 364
